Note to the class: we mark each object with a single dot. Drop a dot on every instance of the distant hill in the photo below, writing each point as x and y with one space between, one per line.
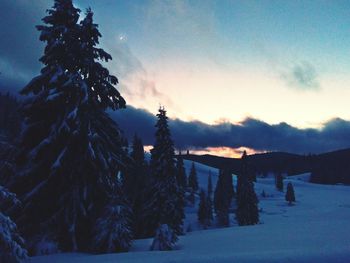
327 168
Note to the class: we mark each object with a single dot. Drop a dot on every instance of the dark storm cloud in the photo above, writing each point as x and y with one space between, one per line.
20 48
250 133
302 76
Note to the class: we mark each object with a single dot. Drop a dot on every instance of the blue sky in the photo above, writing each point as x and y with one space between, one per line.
225 60
210 61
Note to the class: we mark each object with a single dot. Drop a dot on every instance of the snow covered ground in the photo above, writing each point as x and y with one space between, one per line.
315 229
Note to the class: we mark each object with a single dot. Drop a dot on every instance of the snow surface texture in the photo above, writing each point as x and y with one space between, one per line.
315 229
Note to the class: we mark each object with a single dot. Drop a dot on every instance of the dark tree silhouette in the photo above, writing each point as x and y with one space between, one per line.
71 150
192 178
223 197
166 205
247 212
181 173
279 182
210 185
11 243
290 197
202 213
136 185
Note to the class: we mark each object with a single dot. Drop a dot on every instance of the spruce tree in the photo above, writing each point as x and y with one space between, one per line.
112 232
166 206
209 210
247 212
136 185
181 172
290 197
11 243
202 213
192 178
223 197
210 185
279 182
209 200
191 197
71 150
165 238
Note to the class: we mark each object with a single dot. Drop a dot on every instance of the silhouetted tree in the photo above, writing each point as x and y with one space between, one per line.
191 197
223 197
112 232
209 199
210 185
166 206
71 150
290 197
11 243
136 185
247 212
202 213
279 182
192 178
181 172
165 238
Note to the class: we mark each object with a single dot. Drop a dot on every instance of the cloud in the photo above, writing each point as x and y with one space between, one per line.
302 76
251 133
183 29
20 47
20 50
135 82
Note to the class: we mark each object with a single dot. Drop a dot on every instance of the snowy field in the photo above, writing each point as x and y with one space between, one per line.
315 229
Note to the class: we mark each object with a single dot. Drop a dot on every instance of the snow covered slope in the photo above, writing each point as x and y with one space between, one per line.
315 229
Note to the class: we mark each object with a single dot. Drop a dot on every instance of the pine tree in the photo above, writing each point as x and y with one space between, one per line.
223 197
191 197
290 197
136 185
247 212
165 238
112 231
181 172
209 210
11 243
279 182
71 150
210 185
209 200
202 213
167 202
192 178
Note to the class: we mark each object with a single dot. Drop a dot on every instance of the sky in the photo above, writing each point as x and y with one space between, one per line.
214 63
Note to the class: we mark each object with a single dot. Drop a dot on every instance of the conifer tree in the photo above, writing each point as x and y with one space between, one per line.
202 213
290 197
71 150
11 243
181 172
165 238
210 185
112 232
247 212
223 197
209 200
209 210
192 178
166 206
191 197
136 185
279 182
